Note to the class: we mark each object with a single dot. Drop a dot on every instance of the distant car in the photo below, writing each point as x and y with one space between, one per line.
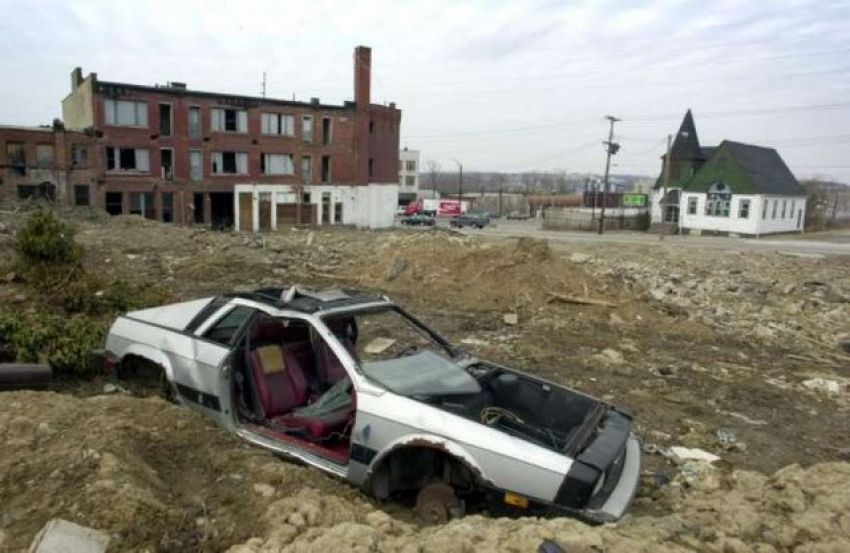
470 220
517 216
350 383
401 210
419 219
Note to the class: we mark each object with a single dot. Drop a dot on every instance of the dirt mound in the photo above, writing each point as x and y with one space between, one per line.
795 509
464 273
154 475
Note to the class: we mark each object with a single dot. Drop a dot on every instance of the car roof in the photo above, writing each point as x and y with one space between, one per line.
310 301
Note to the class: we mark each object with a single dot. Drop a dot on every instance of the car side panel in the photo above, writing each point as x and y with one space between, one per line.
388 420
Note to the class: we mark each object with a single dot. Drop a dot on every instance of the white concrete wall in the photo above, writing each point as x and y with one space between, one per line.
752 225
404 156
371 206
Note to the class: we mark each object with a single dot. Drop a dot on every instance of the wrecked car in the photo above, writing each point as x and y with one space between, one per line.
351 383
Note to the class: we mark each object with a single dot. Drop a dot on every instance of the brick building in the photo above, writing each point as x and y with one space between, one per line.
193 157
47 162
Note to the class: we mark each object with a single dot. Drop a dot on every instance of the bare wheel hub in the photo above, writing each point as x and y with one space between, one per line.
436 502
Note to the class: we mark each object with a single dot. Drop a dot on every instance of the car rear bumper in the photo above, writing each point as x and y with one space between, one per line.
614 505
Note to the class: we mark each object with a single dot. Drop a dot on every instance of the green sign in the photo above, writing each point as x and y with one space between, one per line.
634 200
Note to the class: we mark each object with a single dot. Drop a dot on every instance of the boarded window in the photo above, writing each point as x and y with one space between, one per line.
126 113
195 122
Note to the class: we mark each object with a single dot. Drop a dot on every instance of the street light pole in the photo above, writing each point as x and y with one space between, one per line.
459 191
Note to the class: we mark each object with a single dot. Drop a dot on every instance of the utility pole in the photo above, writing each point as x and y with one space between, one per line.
664 185
611 148
459 191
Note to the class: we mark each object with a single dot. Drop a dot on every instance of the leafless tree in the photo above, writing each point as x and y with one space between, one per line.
432 169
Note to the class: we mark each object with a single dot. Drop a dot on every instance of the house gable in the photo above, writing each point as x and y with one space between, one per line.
721 167
746 169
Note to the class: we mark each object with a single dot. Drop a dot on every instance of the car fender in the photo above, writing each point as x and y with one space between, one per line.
153 355
428 441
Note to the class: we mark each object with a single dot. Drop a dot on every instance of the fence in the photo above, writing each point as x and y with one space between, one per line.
588 219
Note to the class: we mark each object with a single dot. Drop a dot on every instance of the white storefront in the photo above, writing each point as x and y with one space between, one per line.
371 206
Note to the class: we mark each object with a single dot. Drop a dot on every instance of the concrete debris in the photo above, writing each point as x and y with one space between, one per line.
680 454
579 258
612 356
510 318
825 385
396 268
62 536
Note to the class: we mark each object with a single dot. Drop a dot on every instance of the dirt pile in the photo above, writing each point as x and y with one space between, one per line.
796 509
463 273
153 475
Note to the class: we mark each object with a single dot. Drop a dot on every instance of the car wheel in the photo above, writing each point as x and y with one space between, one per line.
436 503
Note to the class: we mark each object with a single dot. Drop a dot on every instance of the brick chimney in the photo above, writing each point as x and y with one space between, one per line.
362 76
76 78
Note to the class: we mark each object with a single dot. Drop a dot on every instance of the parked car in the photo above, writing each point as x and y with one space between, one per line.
517 216
418 219
352 384
470 220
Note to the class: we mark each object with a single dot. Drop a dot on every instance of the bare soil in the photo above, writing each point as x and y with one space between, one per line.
698 345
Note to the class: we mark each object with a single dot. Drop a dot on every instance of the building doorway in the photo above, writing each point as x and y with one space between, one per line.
221 210
114 203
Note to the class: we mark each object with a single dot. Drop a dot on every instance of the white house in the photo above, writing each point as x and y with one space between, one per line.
408 176
733 189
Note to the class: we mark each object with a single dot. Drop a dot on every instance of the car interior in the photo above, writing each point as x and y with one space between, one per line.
290 385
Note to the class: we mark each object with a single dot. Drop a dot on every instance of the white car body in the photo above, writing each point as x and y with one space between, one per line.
503 465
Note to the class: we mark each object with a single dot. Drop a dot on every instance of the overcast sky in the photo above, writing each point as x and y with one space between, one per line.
506 86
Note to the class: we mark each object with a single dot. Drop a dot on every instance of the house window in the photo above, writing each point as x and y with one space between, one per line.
196 166
326 169
125 113
326 131
277 123
784 208
128 159
744 209
194 122
141 203
307 129
44 155
692 205
229 120
276 164
79 156
115 203
409 180
168 207
43 191
16 158
410 165
166 156
718 200
793 207
764 203
306 169
81 195
775 205
229 163
165 119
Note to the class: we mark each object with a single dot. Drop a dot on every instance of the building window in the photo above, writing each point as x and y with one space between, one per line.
229 163
128 159
775 205
194 122
306 169
43 191
16 158
165 119
371 126
277 123
125 113
718 200
79 156
141 203
276 164
410 180
44 155
168 207
326 131
410 165
196 166
793 207
307 129
229 120
81 195
371 166
326 169
692 205
784 208
744 209
764 203
166 156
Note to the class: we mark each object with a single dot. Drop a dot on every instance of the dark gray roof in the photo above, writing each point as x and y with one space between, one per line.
706 151
768 173
686 143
